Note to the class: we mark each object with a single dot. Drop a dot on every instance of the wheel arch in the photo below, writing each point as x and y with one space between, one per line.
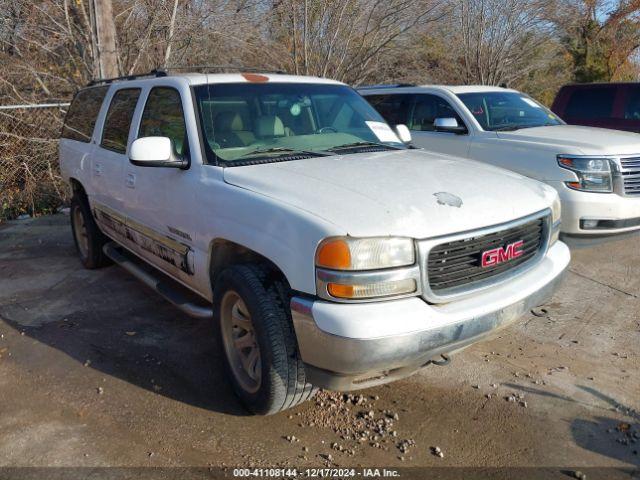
77 188
223 253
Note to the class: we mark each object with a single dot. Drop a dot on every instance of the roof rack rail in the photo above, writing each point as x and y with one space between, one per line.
385 85
218 68
157 72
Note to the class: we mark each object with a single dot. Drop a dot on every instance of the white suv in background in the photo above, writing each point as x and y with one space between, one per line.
327 253
595 171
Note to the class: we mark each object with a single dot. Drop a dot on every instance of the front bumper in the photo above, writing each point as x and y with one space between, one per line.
622 213
352 346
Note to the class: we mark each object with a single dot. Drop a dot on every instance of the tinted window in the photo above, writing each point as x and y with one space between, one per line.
391 107
426 109
632 108
591 102
115 133
163 117
83 113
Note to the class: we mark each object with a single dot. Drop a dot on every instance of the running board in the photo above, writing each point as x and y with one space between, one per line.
170 292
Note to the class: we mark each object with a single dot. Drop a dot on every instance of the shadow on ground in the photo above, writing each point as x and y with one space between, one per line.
107 320
603 435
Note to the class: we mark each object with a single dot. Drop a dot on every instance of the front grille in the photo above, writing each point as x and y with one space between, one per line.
457 264
630 170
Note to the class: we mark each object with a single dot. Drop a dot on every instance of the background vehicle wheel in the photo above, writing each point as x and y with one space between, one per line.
88 238
254 330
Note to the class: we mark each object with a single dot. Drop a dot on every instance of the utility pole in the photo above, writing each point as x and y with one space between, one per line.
105 38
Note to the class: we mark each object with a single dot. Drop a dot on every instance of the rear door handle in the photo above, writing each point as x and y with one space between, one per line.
131 180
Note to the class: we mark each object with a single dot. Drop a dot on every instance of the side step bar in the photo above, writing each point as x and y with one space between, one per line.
163 287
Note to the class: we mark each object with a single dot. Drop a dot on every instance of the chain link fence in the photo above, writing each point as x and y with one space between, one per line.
30 181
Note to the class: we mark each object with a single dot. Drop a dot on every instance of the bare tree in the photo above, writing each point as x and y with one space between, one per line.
345 39
499 41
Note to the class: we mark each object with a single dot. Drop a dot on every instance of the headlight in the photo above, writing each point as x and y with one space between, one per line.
366 268
346 253
594 174
556 217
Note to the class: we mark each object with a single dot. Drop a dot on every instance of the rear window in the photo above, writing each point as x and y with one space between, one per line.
83 113
593 102
115 133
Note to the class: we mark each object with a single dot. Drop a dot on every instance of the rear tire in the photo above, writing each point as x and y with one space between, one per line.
255 332
87 236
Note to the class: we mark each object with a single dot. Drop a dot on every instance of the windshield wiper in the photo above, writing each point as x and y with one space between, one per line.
350 146
283 150
510 128
507 128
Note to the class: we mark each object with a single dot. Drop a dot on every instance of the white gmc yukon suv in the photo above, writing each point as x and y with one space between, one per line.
595 171
286 209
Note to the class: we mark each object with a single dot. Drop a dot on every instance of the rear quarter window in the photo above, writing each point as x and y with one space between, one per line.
83 113
592 102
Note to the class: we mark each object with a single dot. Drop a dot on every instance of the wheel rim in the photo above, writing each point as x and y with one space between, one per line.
240 343
80 231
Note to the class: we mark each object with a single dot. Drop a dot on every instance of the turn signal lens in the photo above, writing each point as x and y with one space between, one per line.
334 254
346 253
372 290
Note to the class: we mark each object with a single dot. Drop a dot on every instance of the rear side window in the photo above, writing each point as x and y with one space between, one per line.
632 107
392 107
83 113
593 102
115 133
163 117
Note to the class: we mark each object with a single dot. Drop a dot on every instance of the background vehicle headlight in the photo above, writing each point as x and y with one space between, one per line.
594 174
346 253
350 269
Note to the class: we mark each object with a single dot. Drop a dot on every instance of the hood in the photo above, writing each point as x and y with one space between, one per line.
409 193
573 139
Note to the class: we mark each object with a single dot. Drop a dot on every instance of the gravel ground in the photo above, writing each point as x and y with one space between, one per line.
96 370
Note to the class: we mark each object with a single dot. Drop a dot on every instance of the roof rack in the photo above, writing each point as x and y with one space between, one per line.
222 68
153 73
396 85
164 72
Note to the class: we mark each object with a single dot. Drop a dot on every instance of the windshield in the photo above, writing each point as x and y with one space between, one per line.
246 122
503 111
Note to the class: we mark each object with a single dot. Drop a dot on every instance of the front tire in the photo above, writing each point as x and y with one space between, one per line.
255 333
87 236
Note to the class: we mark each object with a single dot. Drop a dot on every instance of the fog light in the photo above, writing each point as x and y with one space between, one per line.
372 290
589 224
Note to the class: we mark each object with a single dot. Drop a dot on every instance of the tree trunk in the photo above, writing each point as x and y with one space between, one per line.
106 38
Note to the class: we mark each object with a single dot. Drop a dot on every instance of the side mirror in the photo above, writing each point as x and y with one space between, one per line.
403 133
155 152
448 125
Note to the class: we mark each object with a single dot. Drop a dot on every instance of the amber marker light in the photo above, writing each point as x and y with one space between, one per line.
334 254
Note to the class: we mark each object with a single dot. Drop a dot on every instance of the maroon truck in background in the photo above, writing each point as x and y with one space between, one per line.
606 105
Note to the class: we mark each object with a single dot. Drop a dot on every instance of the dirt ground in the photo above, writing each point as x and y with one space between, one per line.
97 370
